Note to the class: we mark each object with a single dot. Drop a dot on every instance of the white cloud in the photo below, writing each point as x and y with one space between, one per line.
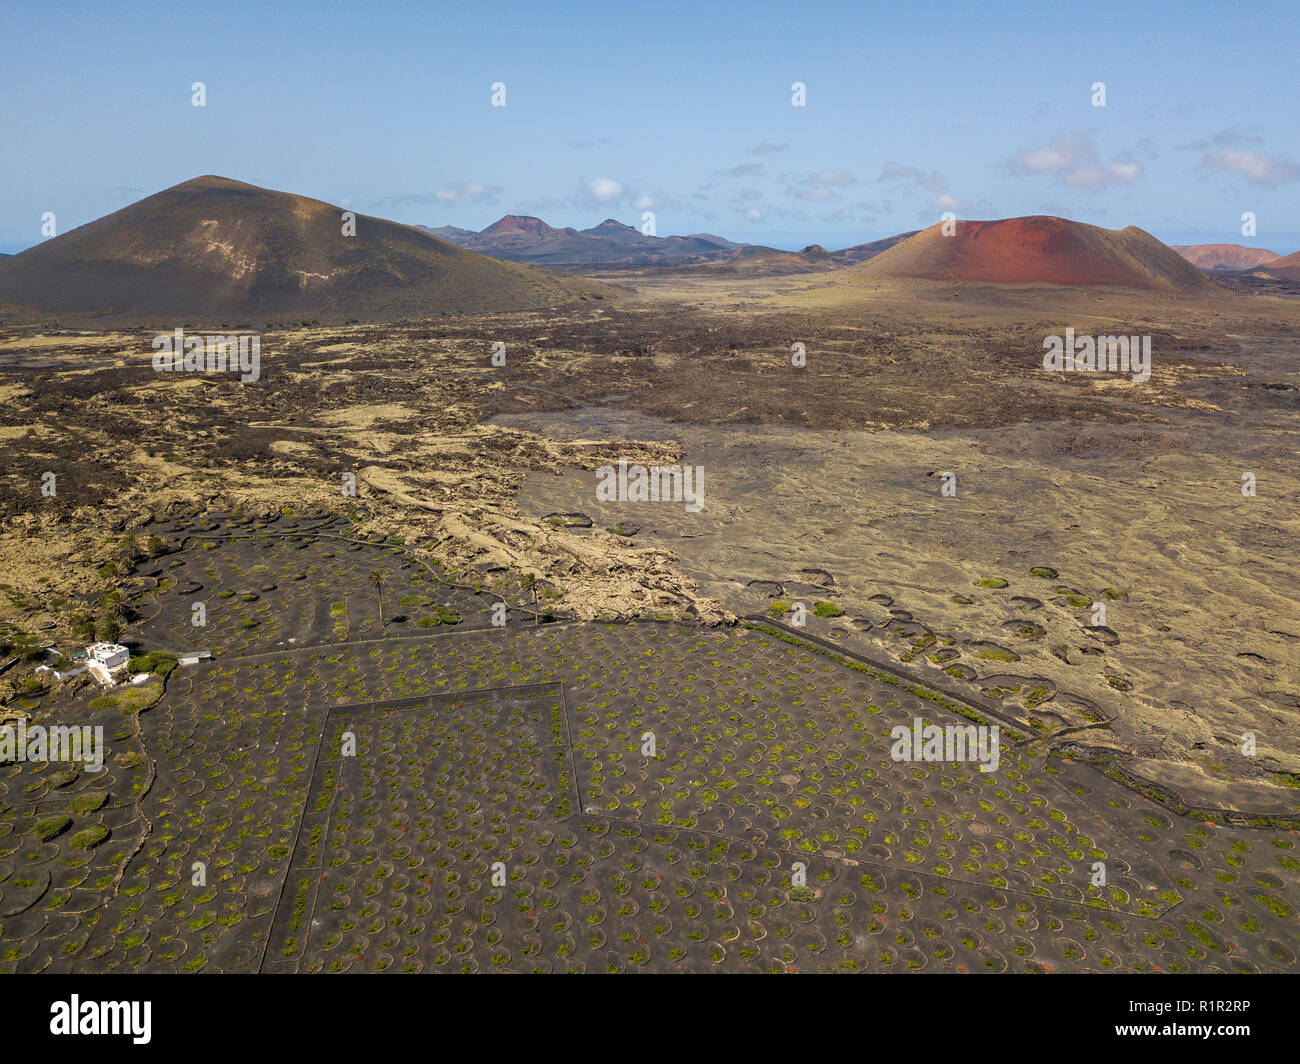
461 194
1236 137
817 187
605 189
766 148
1255 166
604 193
464 193
1095 177
934 182
946 203
1046 159
839 178
1073 160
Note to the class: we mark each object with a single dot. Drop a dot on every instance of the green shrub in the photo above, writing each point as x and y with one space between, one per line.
87 802
48 827
158 662
89 838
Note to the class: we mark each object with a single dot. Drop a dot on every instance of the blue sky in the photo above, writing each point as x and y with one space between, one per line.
681 108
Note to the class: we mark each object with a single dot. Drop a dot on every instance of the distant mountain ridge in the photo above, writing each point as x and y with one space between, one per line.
615 245
863 252
217 250
1225 256
1287 266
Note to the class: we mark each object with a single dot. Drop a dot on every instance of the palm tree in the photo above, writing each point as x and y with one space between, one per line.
128 554
377 582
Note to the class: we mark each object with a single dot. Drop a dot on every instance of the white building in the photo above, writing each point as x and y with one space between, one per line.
107 662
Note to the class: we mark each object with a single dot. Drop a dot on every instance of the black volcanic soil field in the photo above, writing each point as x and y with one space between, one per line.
523 745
